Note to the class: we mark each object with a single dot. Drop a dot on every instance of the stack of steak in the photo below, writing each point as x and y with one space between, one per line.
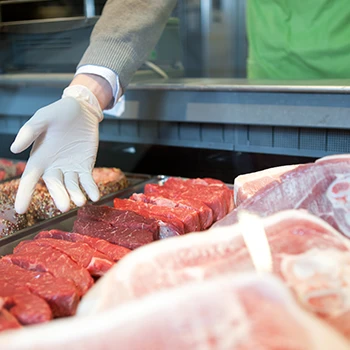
45 278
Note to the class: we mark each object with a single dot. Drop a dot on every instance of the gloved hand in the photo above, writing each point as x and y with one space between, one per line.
65 136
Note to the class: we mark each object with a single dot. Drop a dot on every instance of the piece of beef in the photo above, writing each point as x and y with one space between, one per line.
188 216
59 293
307 253
23 305
7 320
32 256
213 196
172 221
162 198
122 227
85 256
245 186
322 188
113 251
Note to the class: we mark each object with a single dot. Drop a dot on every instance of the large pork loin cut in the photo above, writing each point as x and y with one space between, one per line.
237 312
322 188
245 186
308 254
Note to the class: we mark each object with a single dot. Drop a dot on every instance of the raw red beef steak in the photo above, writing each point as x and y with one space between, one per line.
157 195
32 256
85 256
122 227
113 251
59 293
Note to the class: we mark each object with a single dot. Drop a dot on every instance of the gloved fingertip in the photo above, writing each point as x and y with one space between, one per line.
14 148
20 208
79 201
94 195
63 207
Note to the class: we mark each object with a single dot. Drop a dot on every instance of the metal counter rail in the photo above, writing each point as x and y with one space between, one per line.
297 118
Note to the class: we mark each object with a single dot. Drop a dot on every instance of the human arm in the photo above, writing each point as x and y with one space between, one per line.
65 133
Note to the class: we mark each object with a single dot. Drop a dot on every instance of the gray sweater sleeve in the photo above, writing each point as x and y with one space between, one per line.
125 34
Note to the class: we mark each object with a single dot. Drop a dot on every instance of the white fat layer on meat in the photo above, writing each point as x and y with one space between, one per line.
333 157
340 202
271 173
318 274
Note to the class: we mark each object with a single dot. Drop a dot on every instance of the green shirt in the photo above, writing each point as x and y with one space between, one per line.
298 39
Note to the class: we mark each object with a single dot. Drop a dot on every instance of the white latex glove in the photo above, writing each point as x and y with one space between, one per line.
65 136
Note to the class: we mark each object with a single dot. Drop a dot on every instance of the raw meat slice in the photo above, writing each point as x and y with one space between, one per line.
214 197
237 312
312 186
59 293
113 251
247 185
217 185
169 225
109 180
204 212
7 320
32 256
122 227
188 216
301 245
85 256
24 306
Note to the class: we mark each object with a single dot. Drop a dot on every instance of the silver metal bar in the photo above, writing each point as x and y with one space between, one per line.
89 8
206 19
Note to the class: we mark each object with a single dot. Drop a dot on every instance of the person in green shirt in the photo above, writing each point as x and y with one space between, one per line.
288 39
298 39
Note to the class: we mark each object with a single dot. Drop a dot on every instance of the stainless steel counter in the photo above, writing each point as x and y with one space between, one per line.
143 80
293 118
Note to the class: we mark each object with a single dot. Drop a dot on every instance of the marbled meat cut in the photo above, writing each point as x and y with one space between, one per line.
113 251
85 256
168 226
25 307
217 197
238 312
247 185
32 256
205 214
322 188
308 254
122 227
7 320
59 293
188 216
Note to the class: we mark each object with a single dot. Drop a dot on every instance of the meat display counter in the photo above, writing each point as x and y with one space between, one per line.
308 118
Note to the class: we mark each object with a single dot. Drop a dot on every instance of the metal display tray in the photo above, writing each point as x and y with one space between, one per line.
65 221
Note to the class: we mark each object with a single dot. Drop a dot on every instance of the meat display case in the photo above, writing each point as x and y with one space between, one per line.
308 118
